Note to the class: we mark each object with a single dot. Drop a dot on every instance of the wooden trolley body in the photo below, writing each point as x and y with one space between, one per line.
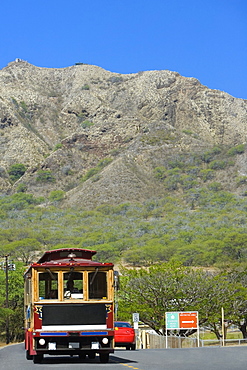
69 305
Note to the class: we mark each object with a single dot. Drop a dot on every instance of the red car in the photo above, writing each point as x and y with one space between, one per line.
124 335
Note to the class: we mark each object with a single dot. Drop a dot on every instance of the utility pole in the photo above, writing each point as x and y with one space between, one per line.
7 295
223 326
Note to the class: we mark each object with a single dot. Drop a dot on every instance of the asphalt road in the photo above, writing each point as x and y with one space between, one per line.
12 357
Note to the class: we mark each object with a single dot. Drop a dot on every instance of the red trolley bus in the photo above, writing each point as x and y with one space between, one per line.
69 306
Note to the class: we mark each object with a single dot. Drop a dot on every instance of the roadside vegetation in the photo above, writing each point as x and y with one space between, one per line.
14 313
186 259
174 288
210 233
185 251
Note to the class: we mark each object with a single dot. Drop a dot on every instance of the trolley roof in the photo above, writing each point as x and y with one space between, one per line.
68 257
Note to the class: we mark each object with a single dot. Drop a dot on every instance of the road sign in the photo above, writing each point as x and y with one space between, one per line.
135 317
11 266
172 320
181 320
188 320
135 320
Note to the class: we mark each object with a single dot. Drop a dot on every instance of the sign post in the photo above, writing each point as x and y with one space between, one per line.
7 295
136 318
182 320
223 326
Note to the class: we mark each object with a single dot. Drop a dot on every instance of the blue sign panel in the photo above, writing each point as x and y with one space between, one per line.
172 320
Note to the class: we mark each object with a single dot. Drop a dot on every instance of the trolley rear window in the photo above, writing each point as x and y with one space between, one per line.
80 314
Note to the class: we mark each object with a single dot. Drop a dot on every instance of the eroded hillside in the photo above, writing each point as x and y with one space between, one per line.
63 123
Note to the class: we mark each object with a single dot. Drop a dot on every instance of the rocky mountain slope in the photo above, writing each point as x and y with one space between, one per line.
63 123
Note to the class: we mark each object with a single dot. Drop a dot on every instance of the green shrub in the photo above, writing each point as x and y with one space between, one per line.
215 186
174 172
171 183
81 117
192 170
216 150
187 182
96 178
207 174
115 79
45 176
57 146
207 157
15 102
239 149
95 170
56 195
86 124
19 201
23 105
176 164
66 170
217 165
115 151
241 180
16 171
160 173
21 188
104 162
85 87
187 132
210 154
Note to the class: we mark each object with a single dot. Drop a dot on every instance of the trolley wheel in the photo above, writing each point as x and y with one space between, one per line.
92 355
28 356
37 359
104 357
133 347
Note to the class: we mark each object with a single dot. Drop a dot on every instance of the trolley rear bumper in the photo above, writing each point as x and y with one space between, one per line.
54 343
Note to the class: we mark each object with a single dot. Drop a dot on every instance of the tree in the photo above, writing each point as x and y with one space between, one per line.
166 288
25 250
16 297
237 274
235 245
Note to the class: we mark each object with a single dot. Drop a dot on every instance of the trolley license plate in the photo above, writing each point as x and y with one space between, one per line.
74 345
52 346
95 345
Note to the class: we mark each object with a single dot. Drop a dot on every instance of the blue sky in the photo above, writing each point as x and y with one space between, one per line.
202 39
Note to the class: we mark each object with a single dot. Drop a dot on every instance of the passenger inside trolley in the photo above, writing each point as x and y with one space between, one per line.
74 285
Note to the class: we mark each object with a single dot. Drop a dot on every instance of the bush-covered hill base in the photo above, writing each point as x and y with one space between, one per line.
202 227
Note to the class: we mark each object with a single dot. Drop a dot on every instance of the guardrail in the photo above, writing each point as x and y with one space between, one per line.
147 340
227 342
